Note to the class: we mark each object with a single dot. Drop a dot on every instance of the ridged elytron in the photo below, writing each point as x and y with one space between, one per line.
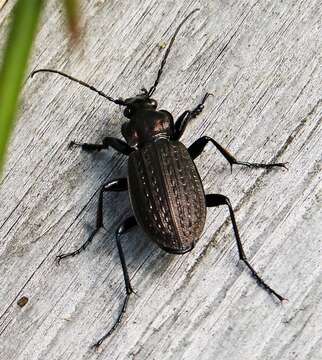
166 192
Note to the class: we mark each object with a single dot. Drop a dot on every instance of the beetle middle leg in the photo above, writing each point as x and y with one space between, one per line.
183 120
128 224
198 146
115 185
115 143
217 200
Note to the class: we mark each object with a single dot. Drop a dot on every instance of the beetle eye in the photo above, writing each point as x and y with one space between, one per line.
153 103
128 112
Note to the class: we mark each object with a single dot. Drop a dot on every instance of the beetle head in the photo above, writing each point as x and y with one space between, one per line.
137 103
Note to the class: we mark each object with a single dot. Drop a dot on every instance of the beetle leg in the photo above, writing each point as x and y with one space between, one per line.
115 185
183 120
128 224
198 146
217 200
117 144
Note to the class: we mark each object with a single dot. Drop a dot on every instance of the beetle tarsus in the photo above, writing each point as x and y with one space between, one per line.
72 144
184 119
198 146
261 282
87 147
116 324
217 200
260 165
115 143
128 224
79 250
114 185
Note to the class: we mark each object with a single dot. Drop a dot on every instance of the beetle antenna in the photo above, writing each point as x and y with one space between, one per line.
164 60
115 101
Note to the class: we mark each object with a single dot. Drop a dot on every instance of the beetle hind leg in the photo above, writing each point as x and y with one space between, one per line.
217 200
115 185
128 224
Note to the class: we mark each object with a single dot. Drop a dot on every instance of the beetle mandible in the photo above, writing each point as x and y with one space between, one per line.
165 189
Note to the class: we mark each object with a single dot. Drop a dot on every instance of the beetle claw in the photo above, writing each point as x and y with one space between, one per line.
73 144
284 165
57 259
135 293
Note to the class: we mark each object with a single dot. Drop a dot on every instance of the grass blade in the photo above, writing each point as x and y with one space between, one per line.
23 27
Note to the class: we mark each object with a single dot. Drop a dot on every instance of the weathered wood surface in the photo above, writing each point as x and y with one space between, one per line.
2 3
262 60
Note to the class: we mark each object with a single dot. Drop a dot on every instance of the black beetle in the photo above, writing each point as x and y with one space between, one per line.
166 192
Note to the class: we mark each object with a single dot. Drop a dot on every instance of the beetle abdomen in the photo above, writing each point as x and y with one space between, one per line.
166 194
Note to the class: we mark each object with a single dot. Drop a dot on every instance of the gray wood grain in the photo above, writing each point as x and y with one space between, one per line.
262 60
2 3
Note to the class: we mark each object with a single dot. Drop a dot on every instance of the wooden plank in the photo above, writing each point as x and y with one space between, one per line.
4 12
2 3
262 60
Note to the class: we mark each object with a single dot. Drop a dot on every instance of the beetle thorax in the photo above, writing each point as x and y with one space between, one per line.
146 123
146 126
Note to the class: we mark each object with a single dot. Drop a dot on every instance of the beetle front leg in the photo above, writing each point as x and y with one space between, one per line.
115 185
198 146
217 200
115 143
183 120
128 224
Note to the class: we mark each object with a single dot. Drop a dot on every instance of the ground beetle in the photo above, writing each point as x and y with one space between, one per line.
166 192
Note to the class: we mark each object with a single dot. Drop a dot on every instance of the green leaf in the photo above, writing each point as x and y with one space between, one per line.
72 12
23 27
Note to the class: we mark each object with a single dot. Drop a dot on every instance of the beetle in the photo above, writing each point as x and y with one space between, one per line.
165 189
